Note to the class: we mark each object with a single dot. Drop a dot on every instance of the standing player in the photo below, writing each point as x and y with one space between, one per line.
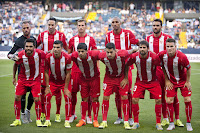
18 46
86 61
177 72
115 65
157 43
46 40
59 64
146 63
29 76
81 37
122 39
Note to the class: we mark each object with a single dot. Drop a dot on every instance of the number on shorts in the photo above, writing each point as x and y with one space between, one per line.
104 86
134 88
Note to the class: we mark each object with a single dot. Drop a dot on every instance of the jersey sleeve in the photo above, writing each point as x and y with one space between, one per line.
64 41
93 44
123 53
106 39
71 43
39 40
13 49
157 61
95 54
132 39
20 58
131 60
185 62
47 66
160 56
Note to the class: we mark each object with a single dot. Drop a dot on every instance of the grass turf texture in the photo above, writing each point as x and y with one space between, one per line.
147 114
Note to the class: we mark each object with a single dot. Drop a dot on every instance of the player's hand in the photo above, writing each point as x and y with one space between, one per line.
123 83
168 85
14 81
13 57
68 93
188 85
47 90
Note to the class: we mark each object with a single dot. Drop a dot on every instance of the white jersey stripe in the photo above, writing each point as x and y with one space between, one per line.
56 37
161 43
45 41
119 65
151 43
91 65
26 66
87 42
175 69
108 65
37 62
112 38
52 65
76 42
165 61
80 65
139 67
122 41
62 67
148 68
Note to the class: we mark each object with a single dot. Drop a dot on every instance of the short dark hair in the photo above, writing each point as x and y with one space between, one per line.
171 40
81 20
52 18
110 46
58 42
143 42
30 40
82 46
158 20
25 22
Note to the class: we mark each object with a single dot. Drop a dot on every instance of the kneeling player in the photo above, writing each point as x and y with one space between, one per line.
146 63
29 76
59 64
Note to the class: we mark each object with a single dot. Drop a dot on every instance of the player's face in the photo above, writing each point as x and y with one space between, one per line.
29 48
156 27
171 48
51 26
110 53
81 27
82 53
116 24
57 49
143 50
26 28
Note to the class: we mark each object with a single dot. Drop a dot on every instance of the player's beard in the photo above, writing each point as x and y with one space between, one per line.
28 52
156 32
26 33
143 53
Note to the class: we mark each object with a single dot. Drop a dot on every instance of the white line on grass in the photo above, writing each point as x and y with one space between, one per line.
5 75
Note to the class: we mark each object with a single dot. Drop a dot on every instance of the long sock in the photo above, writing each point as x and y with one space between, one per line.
105 107
43 99
135 109
38 109
95 107
171 112
17 107
68 106
130 104
164 106
84 108
158 109
48 106
89 106
188 111
74 101
23 103
58 102
176 107
118 105
125 106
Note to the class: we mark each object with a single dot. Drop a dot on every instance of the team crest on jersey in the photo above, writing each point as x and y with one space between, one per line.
122 38
86 41
62 63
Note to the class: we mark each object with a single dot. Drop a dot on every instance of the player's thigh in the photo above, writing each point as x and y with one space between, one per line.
155 90
75 82
138 91
20 88
172 92
36 88
185 92
85 89
108 87
95 87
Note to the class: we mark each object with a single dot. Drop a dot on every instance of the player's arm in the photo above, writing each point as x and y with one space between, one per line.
132 50
11 54
132 39
168 84
64 42
67 80
124 82
47 89
187 83
14 73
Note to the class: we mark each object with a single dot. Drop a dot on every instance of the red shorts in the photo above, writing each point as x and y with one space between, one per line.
75 81
21 87
184 92
161 77
90 87
56 89
112 84
153 87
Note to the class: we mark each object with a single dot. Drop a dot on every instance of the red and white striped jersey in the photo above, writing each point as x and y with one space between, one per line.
58 67
175 66
123 40
115 67
146 67
157 44
46 40
87 66
75 40
30 66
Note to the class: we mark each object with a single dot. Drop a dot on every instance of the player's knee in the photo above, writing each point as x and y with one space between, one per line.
124 97
17 98
106 98
170 100
187 99
95 99
85 99
158 101
135 100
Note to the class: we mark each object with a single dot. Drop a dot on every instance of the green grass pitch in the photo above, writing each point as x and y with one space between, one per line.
147 113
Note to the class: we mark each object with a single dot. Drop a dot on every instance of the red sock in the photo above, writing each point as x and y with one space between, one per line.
74 101
17 107
105 107
130 104
89 106
164 106
118 105
176 107
68 106
171 112
125 106
135 109
38 109
158 109
48 106
84 108
58 102
95 106
188 111
43 99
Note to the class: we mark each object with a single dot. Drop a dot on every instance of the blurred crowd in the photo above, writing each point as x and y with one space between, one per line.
139 21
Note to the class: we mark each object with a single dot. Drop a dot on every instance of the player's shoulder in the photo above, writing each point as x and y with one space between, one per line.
109 32
21 53
66 55
162 53
48 55
73 37
122 52
74 54
166 35
134 55
180 54
102 54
